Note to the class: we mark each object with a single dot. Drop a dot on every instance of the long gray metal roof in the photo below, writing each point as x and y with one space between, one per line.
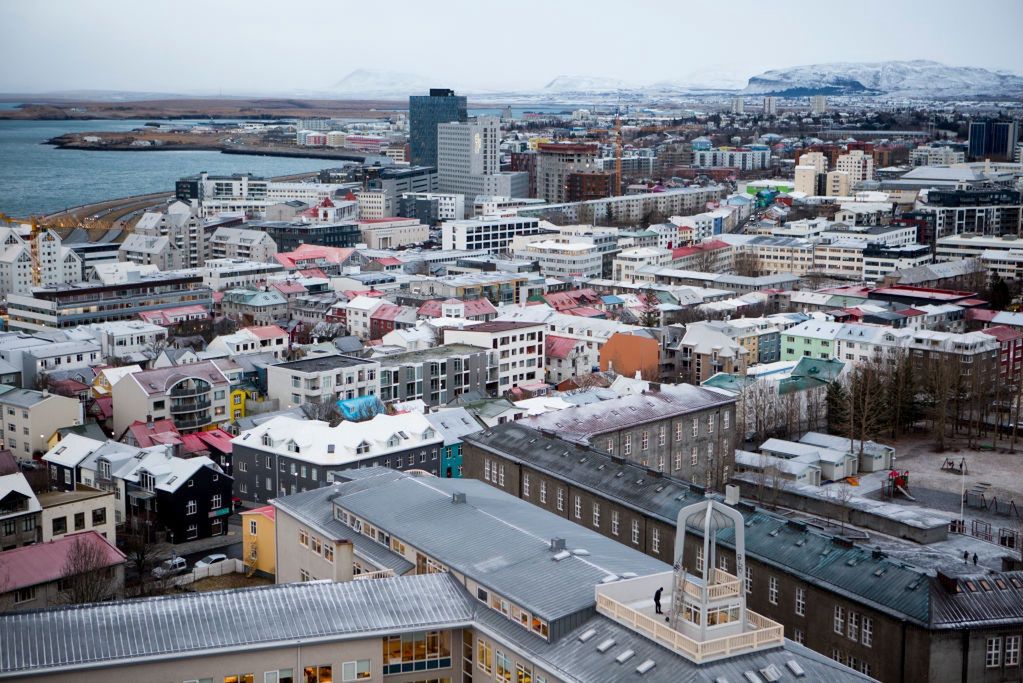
579 661
183 625
860 573
496 539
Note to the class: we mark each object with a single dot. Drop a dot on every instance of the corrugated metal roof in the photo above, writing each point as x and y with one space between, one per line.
136 630
581 423
899 589
494 538
979 600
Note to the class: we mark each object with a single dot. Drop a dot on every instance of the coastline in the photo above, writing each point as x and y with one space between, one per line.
63 142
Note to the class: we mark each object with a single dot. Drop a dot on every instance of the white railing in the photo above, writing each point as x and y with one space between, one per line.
228 566
379 574
764 633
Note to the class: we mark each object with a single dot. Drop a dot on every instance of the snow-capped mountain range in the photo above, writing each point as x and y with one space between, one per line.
917 79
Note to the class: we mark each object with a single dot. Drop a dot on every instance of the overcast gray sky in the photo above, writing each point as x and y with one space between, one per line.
235 46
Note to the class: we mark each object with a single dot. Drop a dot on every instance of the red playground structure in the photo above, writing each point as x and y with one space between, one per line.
897 482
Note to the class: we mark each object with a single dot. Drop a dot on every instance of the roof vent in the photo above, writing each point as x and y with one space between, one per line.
771 673
605 645
610 578
625 656
751 677
457 498
586 635
794 667
580 552
557 544
645 666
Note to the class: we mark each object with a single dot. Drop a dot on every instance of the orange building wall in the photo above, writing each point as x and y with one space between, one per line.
628 353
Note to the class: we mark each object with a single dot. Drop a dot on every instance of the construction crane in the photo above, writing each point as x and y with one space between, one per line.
618 150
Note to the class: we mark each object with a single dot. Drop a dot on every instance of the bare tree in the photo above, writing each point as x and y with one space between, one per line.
324 411
85 575
705 261
225 325
144 553
153 349
746 263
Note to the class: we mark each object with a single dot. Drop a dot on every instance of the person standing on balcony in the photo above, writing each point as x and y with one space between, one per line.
657 601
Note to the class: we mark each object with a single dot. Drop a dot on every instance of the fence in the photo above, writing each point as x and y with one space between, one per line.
228 566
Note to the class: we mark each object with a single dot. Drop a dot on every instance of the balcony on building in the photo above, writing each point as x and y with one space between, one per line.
713 622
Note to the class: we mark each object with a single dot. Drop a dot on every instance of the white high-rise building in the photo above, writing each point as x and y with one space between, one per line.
469 158
857 164
806 179
770 106
738 105
57 264
818 104
815 159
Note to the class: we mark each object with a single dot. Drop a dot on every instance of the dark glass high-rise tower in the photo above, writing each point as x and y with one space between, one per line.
424 113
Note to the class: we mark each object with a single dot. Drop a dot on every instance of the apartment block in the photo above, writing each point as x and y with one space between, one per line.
322 379
517 348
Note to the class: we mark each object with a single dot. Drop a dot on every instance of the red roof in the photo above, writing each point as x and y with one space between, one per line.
31 565
981 314
585 312
558 347
326 203
217 439
386 312
352 293
560 301
313 252
312 272
268 511
145 437
1003 332
267 331
288 287
474 308
105 407
389 261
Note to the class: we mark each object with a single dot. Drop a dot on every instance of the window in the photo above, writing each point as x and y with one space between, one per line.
79 521
239 678
417 651
853 630
710 452
303 537
839 620
694 457
678 461
724 421
723 563
678 431
192 531
696 426
355 671
328 552
523 674
655 540
799 636
543 491
635 532
59 525
303 575
749 580
215 502
191 507
1012 646
281 676
993 654
627 444
525 485
614 522
578 507
699 559
24 595
252 527
596 514
484 656
318 674
504 668
772 590
867 631
801 602
561 499
644 440
660 435
710 423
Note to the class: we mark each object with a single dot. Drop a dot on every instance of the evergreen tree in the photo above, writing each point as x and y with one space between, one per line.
651 315
999 296
837 400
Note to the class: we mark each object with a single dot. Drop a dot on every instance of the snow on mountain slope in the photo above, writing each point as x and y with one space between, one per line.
917 78
381 83
579 84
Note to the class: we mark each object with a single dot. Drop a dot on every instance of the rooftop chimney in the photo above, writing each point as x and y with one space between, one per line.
557 544
457 498
149 422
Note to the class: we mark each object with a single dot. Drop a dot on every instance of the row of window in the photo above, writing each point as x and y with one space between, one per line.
850 661
513 612
325 548
1002 651
58 525
498 663
357 670
856 627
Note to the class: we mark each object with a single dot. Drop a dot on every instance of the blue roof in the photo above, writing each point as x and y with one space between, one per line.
612 299
360 408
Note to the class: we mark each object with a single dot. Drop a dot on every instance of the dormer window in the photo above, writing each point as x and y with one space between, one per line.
147 481
267 441
363 447
292 447
103 467
428 434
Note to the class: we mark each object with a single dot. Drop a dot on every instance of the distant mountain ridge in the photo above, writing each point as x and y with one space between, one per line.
915 78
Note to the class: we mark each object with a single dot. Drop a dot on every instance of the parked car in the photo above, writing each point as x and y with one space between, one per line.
171 567
210 560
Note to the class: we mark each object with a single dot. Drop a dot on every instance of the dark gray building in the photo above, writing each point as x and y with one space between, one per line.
397 181
437 375
288 235
425 112
884 616
681 429
287 455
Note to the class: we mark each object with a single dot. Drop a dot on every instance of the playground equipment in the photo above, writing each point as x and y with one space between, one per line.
950 465
897 482
979 496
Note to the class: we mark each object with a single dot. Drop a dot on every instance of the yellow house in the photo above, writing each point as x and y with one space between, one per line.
237 408
259 541
106 378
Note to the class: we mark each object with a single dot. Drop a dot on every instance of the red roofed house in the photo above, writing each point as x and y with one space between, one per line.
384 264
712 253
330 260
390 317
566 358
563 301
473 309
36 576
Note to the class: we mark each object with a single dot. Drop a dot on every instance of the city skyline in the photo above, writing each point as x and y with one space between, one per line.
453 44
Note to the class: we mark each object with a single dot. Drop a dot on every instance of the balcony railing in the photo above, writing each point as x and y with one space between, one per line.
192 423
381 574
763 633
190 406
723 585
181 391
